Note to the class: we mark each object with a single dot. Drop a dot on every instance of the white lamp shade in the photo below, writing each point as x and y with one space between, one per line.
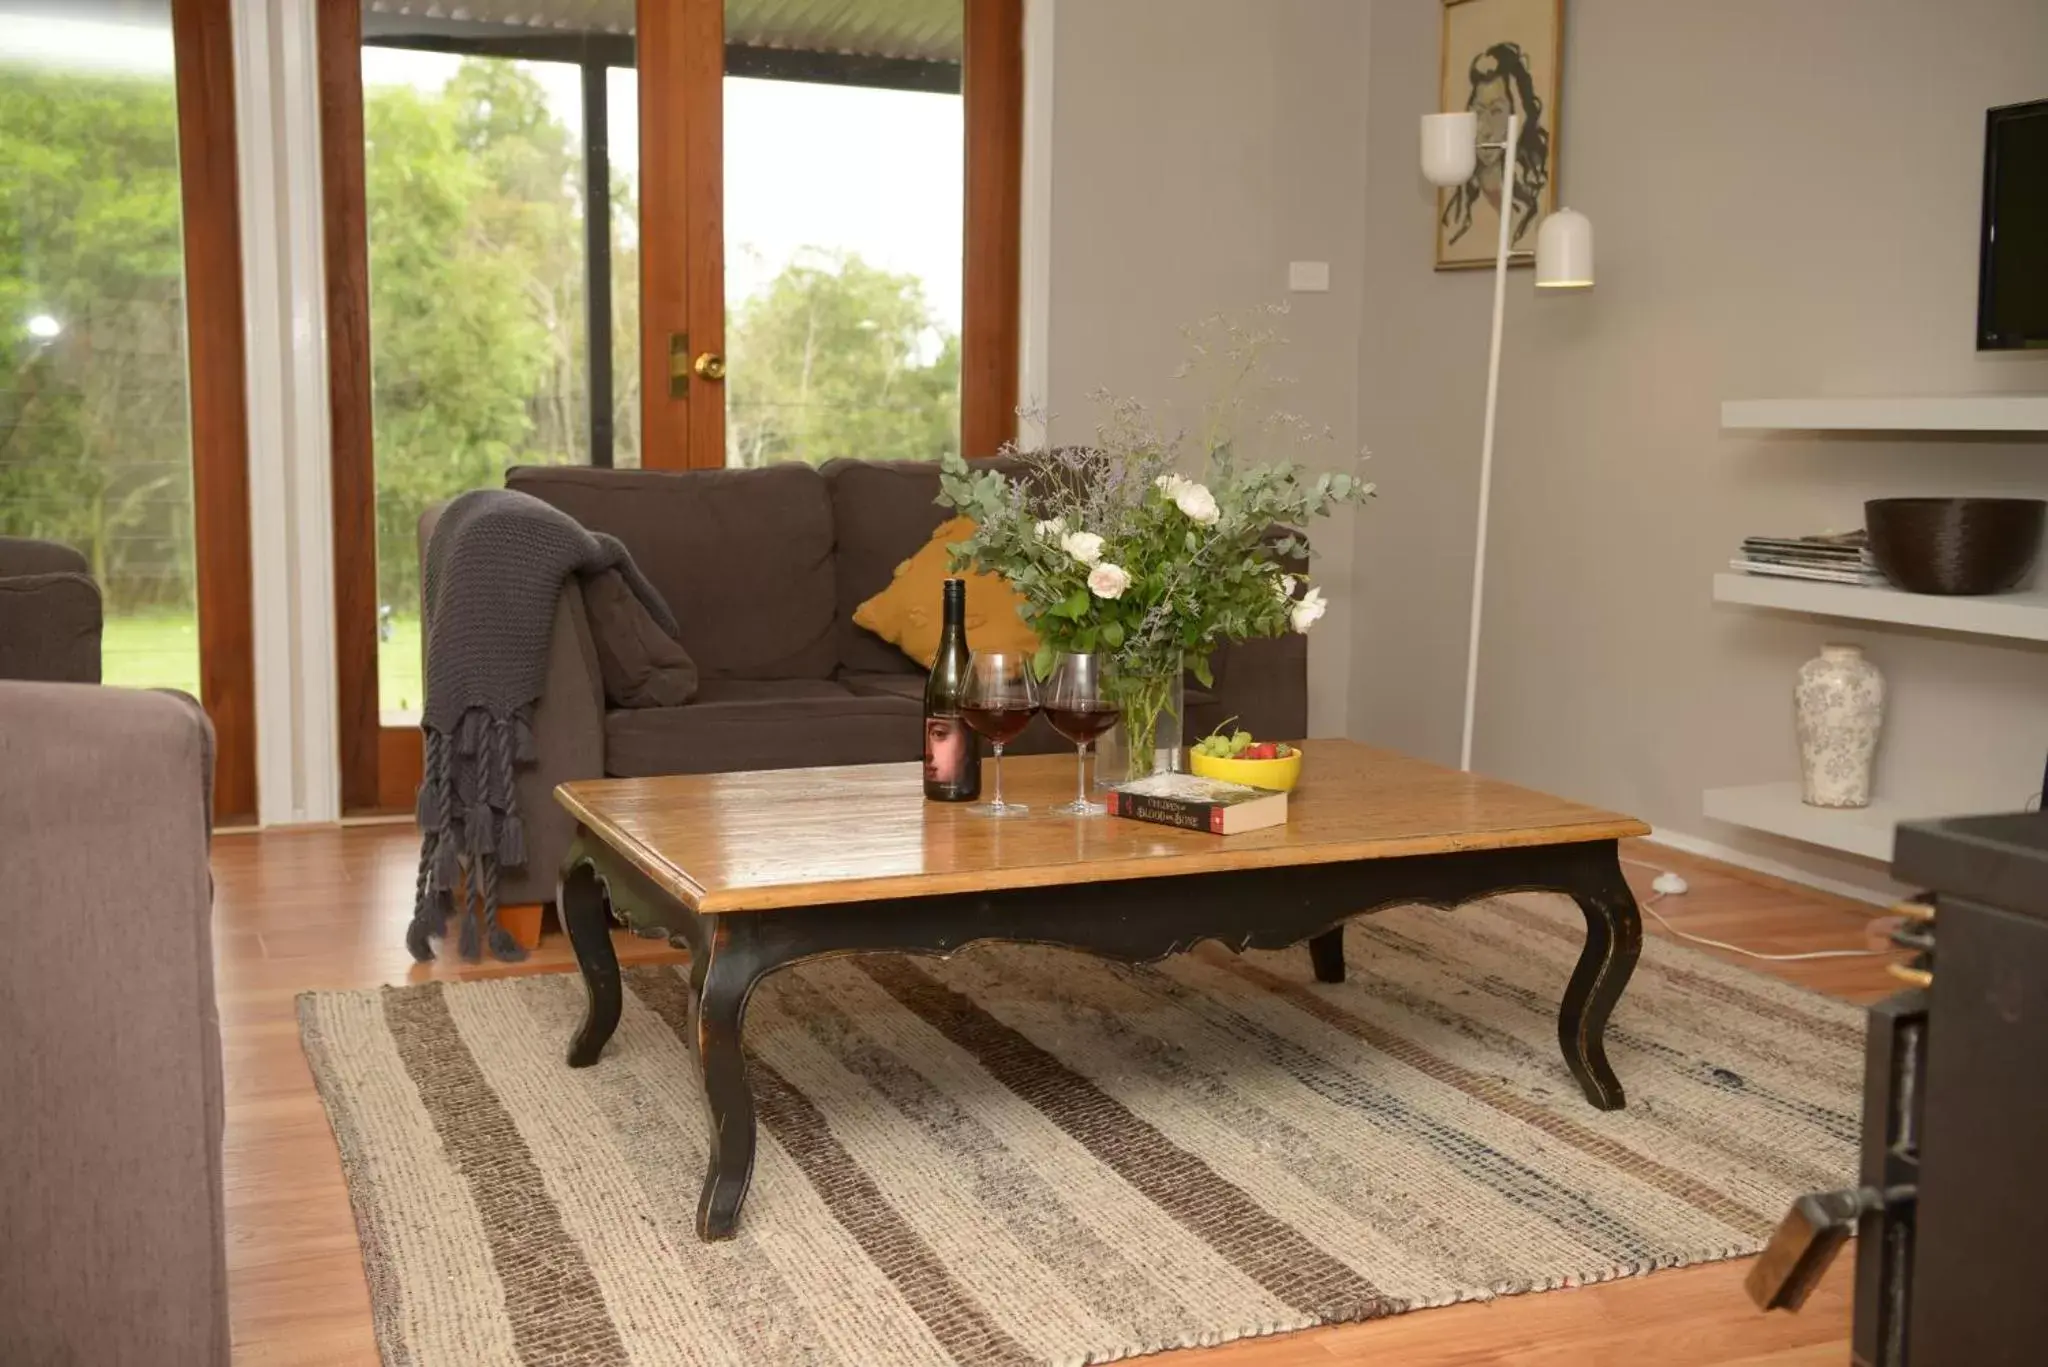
1564 251
1450 147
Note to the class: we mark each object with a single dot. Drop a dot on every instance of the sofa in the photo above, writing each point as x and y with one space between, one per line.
51 617
113 1246
763 570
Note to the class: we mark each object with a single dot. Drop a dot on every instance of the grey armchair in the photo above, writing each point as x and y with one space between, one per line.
112 1220
50 614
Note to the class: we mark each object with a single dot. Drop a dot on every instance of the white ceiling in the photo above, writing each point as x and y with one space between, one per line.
926 30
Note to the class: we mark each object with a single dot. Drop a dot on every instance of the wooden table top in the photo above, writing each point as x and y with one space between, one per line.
802 837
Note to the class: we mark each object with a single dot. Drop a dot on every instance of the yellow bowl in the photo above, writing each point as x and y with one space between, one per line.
1277 775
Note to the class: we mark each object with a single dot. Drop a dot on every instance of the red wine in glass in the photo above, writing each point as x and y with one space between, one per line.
1080 709
1081 722
998 702
1001 724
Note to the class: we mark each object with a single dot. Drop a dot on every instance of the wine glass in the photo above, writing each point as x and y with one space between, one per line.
1000 697
1079 709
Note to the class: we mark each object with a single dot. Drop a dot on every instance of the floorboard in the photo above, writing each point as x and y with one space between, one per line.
327 908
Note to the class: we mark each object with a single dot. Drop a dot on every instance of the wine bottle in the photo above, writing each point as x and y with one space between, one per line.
952 752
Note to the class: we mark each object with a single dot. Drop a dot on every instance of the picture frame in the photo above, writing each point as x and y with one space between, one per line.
1500 57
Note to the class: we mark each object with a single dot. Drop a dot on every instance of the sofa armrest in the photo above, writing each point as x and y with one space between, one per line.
111 1195
568 740
50 626
1264 684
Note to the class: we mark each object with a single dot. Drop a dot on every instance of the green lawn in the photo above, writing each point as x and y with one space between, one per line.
400 676
156 649
160 649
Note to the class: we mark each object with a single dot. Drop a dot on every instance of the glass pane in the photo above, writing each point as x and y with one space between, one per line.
95 436
622 122
842 239
474 172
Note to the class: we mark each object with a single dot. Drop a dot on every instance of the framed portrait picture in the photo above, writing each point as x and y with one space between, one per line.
1500 57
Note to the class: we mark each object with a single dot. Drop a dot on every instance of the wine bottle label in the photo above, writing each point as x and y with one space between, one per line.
945 750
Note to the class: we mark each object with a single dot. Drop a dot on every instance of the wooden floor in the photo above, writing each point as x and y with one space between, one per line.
327 908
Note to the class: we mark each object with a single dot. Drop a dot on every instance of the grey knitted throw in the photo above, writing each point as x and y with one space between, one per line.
496 563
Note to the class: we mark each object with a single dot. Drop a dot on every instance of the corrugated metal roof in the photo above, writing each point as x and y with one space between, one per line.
922 30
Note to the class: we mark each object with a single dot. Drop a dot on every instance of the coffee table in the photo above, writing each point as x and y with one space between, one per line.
757 871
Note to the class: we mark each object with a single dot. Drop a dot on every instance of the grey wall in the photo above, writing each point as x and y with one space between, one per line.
1785 203
1199 146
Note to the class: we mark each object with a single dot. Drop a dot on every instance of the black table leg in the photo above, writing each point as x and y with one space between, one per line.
1326 952
1614 939
580 897
732 968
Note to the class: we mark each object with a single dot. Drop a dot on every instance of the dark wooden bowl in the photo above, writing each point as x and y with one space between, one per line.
1954 546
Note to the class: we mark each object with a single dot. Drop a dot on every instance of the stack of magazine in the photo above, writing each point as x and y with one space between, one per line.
1834 558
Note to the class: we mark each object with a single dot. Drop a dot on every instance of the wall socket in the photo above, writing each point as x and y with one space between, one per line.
1308 277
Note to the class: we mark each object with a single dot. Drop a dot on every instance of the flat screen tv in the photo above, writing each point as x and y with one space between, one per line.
2012 283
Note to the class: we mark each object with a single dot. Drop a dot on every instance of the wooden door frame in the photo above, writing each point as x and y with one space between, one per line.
682 274
203 45
375 773
992 85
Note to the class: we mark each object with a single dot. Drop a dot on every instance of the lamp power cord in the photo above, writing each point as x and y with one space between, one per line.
1670 884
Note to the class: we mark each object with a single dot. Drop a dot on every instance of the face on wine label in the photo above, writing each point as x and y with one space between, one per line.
945 749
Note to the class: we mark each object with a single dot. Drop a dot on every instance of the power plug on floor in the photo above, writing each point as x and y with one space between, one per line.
1670 884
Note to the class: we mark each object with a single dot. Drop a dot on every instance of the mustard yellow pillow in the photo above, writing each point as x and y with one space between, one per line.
908 613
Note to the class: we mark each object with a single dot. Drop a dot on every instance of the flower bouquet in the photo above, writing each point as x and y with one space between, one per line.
1155 549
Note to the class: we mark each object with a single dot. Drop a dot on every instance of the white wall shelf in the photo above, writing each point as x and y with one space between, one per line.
2015 616
1776 809
1956 413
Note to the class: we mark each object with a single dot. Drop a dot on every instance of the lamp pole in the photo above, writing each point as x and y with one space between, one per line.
1500 299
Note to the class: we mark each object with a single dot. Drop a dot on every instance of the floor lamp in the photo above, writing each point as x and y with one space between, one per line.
1564 260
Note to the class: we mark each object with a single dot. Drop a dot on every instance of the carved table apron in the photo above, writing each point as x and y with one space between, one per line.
1136 921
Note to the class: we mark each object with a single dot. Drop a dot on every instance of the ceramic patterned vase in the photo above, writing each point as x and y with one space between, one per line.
1839 704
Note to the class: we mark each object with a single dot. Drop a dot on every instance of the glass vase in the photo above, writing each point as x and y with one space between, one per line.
1147 738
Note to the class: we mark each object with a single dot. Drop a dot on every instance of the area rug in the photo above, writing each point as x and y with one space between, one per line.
1026 1156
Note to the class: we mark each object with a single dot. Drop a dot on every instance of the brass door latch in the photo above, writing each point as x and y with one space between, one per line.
709 366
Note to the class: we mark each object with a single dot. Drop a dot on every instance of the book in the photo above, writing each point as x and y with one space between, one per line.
1849 574
1198 804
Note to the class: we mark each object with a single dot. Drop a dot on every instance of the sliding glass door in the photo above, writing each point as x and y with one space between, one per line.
121 418
678 233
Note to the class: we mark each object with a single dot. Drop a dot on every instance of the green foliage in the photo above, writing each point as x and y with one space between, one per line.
477 314
476 296
1112 549
830 360
474 199
94 446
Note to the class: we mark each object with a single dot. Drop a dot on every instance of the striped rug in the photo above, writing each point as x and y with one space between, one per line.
1025 1156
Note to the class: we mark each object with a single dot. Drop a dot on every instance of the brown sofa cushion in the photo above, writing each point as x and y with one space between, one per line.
642 665
743 557
769 730
883 513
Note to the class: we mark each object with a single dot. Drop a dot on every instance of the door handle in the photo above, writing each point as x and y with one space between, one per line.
709 366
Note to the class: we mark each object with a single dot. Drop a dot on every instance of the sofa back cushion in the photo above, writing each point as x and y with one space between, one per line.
743 557
884 513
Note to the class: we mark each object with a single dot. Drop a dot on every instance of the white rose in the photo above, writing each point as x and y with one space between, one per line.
1085 547
1108 581
1197 502
1170 485
1284 586
1050 527
1308 611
